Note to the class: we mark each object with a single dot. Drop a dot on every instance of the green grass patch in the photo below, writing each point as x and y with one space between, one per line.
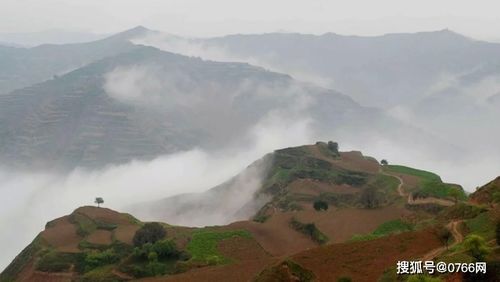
386 182
203 245
384 229
393 226
482 225
426 175
439 189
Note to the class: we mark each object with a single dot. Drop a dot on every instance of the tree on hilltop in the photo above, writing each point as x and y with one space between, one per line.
99 201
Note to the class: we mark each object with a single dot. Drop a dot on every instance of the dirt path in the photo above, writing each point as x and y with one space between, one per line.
419 201
457 236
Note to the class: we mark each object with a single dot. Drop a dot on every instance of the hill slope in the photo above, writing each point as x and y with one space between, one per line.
22 67
365 228
144 103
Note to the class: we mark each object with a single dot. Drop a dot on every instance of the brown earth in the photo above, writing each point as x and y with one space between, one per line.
341 224
276 236
315 188
366 261
104 215
100 237
29 274
354 160
125 233
249 260
61 234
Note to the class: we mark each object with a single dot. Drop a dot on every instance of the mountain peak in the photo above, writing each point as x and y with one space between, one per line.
132 33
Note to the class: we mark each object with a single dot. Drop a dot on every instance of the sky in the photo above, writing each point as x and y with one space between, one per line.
218 17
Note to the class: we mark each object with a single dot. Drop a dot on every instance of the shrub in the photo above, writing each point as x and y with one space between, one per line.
369 198
97 259
476 246
310 230
320 205
344 279
497 233
165 249
149 233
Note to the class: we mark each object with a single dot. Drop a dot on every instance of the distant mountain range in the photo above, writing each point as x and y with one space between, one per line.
111 101
21 67
55 36
441 81
144 102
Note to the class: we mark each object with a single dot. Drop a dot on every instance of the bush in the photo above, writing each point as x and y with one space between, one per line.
149 233
320 205
476 246
310 230
163 249
497 233
97 259
344 279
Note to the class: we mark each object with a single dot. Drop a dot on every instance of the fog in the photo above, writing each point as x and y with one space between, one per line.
36 198
33 198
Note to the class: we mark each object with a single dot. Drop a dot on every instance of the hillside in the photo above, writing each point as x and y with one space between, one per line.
321 215
144 103
22 67
383 71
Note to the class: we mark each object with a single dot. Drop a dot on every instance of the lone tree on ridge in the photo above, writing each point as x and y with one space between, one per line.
99 201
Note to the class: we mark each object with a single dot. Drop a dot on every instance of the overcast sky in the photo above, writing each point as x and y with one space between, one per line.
477 18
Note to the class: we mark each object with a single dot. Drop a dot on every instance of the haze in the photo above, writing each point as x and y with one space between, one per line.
219 17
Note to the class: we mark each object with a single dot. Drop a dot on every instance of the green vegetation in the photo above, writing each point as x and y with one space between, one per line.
53 261
497 233
203 245
462 211
482 225
320 205
97 259
476 247
386 228
439 189
310 230
425 175
261 218
344 279
149 233
84 224
393 226
297 163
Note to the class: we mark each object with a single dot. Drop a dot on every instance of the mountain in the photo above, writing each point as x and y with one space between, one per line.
328 215
31 39
383 71
290 179
440 81
22 67
145 102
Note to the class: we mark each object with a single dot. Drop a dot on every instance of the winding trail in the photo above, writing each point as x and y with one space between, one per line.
419 201
452 226
457 236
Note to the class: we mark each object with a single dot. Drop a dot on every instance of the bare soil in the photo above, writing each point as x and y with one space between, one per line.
366 261
62 235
